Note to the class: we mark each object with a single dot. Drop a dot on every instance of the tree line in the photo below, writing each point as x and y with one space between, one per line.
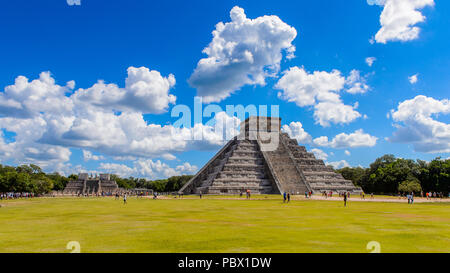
389 174
171 184
31 179
386 174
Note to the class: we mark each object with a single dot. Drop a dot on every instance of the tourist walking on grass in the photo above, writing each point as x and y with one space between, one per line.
345 199
284 197
124 198
288 197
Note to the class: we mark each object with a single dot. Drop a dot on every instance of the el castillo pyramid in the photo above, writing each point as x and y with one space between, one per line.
265 160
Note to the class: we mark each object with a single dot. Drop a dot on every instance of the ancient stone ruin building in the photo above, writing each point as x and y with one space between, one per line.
91 185
264 160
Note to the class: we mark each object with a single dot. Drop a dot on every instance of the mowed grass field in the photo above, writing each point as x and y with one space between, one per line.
221 225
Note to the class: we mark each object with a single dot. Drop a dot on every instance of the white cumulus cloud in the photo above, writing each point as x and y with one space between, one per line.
338 164
399 19
319 154
145 91
243 52
413 79
49 119
370 61
296 130
148 169
321 90
343 140
88 155
416 124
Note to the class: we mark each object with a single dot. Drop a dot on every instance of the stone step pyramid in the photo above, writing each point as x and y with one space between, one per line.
264 160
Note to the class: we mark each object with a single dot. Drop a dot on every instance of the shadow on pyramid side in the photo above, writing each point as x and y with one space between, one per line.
264 160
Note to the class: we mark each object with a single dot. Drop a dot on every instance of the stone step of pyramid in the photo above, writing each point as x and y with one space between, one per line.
289 177
238 190
241 152
300 149
324 177
242 167
290 141
247 146
245 156
243 160
241 180
299 155
285 169
316 168
309 161
247 143
244 187
319 173
251 175
247 177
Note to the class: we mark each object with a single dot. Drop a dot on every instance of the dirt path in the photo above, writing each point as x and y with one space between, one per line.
381 199
316 197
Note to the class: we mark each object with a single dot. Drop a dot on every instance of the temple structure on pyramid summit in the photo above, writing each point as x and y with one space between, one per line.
264 160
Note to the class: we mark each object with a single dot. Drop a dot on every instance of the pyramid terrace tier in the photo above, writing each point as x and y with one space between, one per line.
245 161
242 168
315 168
243 182
239 189
312 176
306 155
246 175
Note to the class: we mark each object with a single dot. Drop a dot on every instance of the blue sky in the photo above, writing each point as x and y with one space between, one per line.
312 63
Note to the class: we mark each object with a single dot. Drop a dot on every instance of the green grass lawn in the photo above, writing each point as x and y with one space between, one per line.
221 225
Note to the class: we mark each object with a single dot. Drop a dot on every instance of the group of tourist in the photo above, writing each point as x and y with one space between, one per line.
363 195
97 194
327 194
308 194
410 197
247 194
15 195
286 197
434 195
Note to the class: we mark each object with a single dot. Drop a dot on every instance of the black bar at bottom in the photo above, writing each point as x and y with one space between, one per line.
221 262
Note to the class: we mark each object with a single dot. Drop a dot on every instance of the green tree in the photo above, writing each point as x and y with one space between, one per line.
356 175
59 181
73 177
435 175
410 186
42 185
